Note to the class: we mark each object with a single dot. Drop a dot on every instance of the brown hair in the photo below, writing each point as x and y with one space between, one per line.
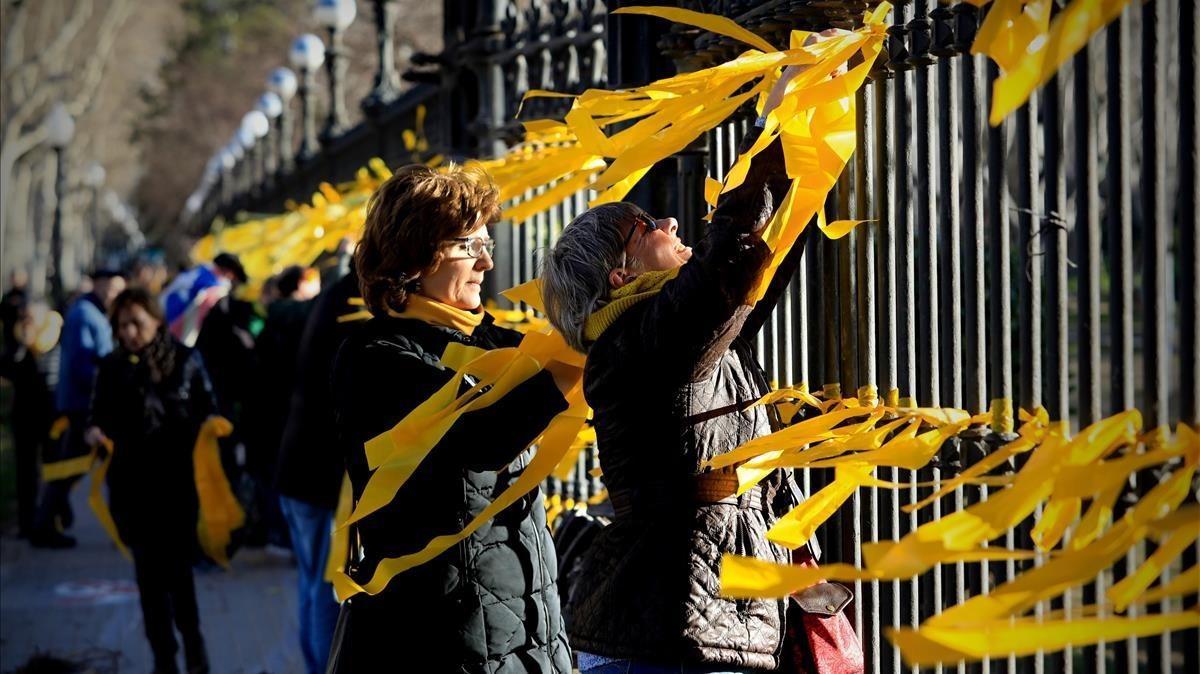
142 298
408 218
159 354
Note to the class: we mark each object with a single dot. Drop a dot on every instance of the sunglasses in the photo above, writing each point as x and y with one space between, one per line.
648 222
644 218
475 245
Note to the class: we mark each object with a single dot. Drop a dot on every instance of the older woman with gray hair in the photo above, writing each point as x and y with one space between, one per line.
671 377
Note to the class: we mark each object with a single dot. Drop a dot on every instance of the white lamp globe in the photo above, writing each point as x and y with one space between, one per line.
282 82
270 105
225 156
60 126
95 175
256 123
307 53
335 14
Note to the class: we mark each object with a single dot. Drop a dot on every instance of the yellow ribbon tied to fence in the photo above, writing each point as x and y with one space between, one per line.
1061 473
1030 46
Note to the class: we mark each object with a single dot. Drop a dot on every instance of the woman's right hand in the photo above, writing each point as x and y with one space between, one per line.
790 72
94 437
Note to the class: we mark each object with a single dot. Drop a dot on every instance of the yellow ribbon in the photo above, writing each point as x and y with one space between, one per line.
220 512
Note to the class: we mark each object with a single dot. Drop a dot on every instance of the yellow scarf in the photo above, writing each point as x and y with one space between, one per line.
643 287
436 313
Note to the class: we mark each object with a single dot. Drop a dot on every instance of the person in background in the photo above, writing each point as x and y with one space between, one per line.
226 342
12 305
310 470
152 394
86 338
276 352
30 363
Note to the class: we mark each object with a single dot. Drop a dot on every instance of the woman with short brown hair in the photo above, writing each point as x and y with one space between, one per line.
489 604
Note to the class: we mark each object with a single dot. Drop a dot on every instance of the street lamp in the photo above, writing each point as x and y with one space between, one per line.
307 54
282 83
270 105
226 162
60 128
255 127
387 82
93 178
335 15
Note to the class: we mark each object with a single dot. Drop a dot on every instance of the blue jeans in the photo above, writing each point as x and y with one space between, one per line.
634 667
310 529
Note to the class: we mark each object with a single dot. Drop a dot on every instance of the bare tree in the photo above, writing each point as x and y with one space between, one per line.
53 52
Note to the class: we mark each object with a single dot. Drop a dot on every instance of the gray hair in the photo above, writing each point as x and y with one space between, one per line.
575 270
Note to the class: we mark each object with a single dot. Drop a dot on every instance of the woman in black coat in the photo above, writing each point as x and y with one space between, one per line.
151 396
489 604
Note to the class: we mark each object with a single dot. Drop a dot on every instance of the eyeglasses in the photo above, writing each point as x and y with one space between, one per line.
475 245
650 224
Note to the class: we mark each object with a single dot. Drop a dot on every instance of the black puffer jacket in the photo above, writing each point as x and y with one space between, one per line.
310 468
670 383
153 426
490 604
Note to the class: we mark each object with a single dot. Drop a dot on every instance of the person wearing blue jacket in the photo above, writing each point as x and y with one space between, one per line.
86 338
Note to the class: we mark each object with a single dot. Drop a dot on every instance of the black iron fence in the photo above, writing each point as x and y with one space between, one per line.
1050 260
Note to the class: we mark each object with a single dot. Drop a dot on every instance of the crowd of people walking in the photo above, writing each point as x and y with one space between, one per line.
670 377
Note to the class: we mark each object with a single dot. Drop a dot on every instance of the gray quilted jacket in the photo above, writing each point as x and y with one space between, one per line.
670 384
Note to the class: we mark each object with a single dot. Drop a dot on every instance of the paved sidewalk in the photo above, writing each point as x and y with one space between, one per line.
82 604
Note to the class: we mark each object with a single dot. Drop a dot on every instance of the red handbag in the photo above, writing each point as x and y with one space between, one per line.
820 638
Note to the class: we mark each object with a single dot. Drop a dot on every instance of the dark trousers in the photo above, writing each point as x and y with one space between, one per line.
55 506
27 443
168 596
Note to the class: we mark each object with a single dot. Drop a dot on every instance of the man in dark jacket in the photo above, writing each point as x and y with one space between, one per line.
671 378
87 337
276 352
310 470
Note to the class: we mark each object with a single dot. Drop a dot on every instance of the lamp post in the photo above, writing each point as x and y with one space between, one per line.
226 162
245 139
254 128
238 172
282 83
270 105
94 179
335 15
387 81
307 54
60 128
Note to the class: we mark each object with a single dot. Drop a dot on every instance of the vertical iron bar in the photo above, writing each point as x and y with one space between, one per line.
1119 222
1189 224
1087 228
866 205
1154 255
907 603
973 97
1053 230
1189 254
